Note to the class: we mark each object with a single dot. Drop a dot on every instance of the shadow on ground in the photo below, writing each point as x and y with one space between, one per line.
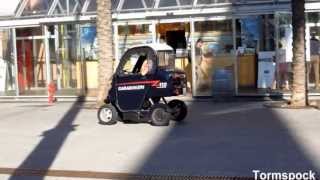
223 139
46 151
227 139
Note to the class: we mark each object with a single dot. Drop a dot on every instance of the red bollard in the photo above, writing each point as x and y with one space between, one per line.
51 92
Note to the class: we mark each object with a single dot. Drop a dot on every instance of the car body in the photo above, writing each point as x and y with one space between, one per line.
145 75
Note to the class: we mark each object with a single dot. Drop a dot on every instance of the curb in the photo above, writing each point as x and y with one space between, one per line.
109 175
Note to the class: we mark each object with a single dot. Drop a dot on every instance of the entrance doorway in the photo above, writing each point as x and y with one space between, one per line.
177 36
176 39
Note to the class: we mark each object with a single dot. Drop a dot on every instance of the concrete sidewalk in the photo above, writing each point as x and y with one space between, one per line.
217 139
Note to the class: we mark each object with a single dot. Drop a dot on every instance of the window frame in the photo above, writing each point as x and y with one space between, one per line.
151 55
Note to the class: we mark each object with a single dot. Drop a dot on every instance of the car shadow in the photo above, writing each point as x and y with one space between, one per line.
227 139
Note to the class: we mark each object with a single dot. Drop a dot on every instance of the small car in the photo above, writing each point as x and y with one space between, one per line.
145 75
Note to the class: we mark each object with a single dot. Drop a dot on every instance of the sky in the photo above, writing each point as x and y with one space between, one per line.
8 7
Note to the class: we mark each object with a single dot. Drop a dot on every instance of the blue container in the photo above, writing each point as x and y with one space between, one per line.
223 82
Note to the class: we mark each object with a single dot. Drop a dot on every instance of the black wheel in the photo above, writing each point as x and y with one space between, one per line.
107 115
160 115
179 110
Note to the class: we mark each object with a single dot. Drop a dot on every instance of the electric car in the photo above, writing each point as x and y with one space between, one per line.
146 74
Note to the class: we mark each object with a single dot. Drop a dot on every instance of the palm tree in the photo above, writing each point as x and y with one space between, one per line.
104 34
299 88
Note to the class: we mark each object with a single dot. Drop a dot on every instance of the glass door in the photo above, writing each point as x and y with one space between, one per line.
284 54
256 51
7 65
31 66
32 77
214 58
89 57
66 65
313 52
177 35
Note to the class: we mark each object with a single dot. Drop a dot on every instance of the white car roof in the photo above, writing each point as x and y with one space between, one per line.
157 46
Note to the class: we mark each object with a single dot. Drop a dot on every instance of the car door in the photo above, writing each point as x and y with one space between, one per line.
131 85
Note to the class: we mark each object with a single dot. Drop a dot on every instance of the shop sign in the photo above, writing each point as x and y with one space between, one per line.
3 69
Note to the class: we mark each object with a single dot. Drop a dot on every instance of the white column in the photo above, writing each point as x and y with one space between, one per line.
277 39
58 62
307 31
116 45
1 46
193 58
234 33
154 31
15 57
68 7
47 52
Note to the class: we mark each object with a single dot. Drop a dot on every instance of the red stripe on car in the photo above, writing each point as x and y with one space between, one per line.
153 83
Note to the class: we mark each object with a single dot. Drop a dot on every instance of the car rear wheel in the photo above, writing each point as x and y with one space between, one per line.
179 110
107 115
160 115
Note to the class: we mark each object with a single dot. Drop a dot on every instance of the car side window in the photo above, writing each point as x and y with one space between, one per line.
129 64
134 62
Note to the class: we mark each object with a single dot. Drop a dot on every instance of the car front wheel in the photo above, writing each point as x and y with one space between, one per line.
107 115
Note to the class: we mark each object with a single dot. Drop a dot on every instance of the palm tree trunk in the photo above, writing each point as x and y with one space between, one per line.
299 95
105 54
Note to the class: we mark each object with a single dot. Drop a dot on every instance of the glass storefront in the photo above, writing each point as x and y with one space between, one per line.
214 63
284 52
255 44
72 57
242 54
7 65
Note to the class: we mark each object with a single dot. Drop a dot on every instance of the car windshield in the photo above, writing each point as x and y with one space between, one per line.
166 59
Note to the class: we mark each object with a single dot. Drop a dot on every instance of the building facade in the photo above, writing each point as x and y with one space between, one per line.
240 47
